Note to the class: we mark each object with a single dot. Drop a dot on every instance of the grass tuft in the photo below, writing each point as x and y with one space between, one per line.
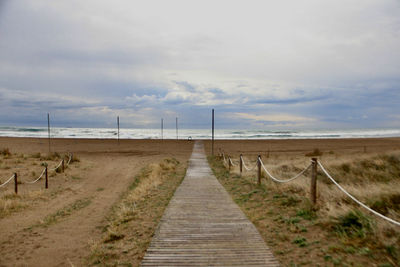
5 152
354 224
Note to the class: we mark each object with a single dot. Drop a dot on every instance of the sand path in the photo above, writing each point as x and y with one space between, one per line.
66 242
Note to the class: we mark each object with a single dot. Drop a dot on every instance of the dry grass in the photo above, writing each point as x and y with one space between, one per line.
64 212
10 202
28 168
135 217
342 234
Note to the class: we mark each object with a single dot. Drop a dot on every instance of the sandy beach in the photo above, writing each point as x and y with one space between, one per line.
104 171
300 147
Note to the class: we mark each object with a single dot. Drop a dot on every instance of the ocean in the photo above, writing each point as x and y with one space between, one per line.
109 133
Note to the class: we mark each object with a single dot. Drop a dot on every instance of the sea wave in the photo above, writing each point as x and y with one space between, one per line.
109 133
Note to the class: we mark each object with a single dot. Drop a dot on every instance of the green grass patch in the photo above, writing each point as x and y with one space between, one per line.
65 212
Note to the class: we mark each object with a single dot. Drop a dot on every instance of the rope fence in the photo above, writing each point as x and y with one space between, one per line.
54 169
313 192
286 180
32 182
44 173
356 200
6 182
245 166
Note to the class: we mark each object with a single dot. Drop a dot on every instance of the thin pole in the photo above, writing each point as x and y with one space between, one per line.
212 142
118 128
162 129
176 128
48 129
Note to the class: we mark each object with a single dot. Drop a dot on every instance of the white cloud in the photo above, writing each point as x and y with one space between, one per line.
273 117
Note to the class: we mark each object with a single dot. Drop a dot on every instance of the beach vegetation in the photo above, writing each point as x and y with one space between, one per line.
133 219
6 152
11 202
335 230
64 212
51 156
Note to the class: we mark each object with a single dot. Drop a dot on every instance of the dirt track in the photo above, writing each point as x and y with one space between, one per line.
105 175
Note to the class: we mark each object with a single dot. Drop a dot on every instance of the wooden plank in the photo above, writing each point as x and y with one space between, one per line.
202 226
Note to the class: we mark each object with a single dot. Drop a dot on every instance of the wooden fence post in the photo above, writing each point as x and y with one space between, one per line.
314 162
259 169
241 164
46 185
63 166
16 183
229 163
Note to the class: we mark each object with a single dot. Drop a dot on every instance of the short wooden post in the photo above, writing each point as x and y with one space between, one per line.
229 163
63 166
259 169
241 164
46 185
314 162
16 183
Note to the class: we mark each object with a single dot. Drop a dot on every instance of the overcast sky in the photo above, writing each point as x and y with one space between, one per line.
260 64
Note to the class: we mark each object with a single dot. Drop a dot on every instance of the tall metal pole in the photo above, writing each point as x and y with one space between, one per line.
212 142
176 128
162 129
118 128
48 129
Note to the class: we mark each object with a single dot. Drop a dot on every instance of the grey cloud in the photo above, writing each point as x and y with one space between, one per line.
318 60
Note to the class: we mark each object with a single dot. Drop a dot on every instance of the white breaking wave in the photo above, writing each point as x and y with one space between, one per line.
109 133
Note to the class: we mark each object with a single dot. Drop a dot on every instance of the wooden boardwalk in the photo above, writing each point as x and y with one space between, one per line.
202 226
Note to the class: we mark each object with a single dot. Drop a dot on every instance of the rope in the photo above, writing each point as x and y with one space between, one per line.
248 169
70 158
286 180
6 182
53 169
223 155
356 200
232 162
32 182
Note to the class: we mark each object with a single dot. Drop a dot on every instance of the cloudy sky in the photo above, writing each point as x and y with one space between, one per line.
260 64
